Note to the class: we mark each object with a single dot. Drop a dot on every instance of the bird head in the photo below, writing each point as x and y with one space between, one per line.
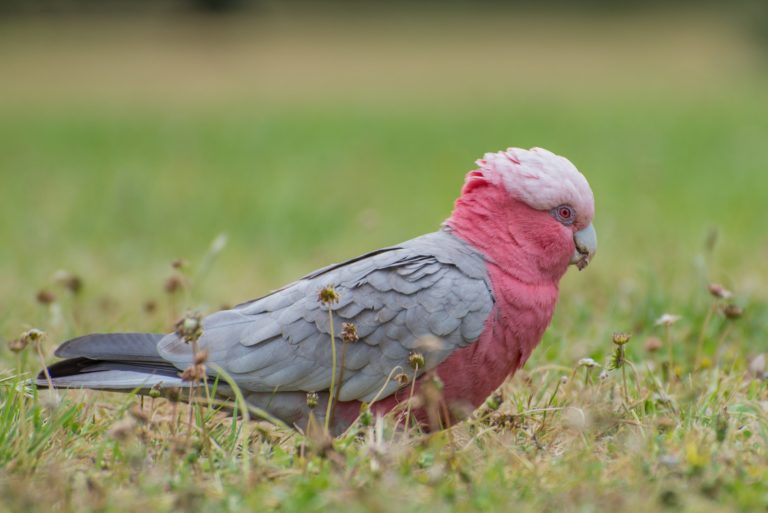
529 204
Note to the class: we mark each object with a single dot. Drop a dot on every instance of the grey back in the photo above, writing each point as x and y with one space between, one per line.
430 295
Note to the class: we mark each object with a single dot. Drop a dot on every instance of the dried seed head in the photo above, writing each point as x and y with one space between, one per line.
45 297
188 374
621 338
179 263
201 357
719 291
69 281
588 362
17 345
193 373
667 319
416 360
603 375
150 307
563 380
190 327
402 379
328 295
733 312
33 336
349 332
174 283
652 344
312 400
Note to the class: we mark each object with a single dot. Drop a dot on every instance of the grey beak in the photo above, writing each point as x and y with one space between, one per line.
586 247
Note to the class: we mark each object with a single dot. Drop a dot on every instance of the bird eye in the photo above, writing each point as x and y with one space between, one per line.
564 214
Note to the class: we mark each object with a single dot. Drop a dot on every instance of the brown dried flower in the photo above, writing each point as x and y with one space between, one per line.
45 297
652 344
149 307
17 345
69 281
732 311
201 357
193 373
179 263
174 283
349 332
719 291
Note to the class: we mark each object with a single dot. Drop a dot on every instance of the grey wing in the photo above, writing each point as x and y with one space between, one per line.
397 299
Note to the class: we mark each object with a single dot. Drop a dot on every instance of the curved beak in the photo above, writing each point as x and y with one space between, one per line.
586 247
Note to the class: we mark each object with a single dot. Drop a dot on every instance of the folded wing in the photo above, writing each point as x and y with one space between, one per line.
398 299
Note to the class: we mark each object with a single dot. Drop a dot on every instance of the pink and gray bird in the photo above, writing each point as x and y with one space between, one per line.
472 299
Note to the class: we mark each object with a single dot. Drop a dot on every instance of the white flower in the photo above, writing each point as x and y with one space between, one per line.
667 319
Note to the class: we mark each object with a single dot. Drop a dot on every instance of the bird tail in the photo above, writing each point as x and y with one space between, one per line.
112 361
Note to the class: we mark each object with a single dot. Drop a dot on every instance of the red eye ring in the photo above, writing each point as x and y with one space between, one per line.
564 214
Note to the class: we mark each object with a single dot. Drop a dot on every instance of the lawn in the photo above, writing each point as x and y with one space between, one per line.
107 174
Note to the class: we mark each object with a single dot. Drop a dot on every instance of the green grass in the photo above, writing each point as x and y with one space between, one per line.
115 192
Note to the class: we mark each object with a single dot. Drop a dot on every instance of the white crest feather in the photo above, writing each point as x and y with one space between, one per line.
539 178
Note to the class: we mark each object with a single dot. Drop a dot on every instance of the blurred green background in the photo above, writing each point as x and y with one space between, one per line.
309 133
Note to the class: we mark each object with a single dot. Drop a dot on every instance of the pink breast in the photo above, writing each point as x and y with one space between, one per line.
470 374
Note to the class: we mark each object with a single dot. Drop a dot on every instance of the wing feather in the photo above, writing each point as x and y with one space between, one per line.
434 285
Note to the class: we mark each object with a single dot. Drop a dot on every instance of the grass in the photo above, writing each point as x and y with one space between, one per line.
115 191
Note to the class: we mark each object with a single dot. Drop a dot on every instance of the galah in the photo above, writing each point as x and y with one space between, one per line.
465 305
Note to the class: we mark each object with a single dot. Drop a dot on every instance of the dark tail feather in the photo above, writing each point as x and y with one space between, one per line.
117 361
135 347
